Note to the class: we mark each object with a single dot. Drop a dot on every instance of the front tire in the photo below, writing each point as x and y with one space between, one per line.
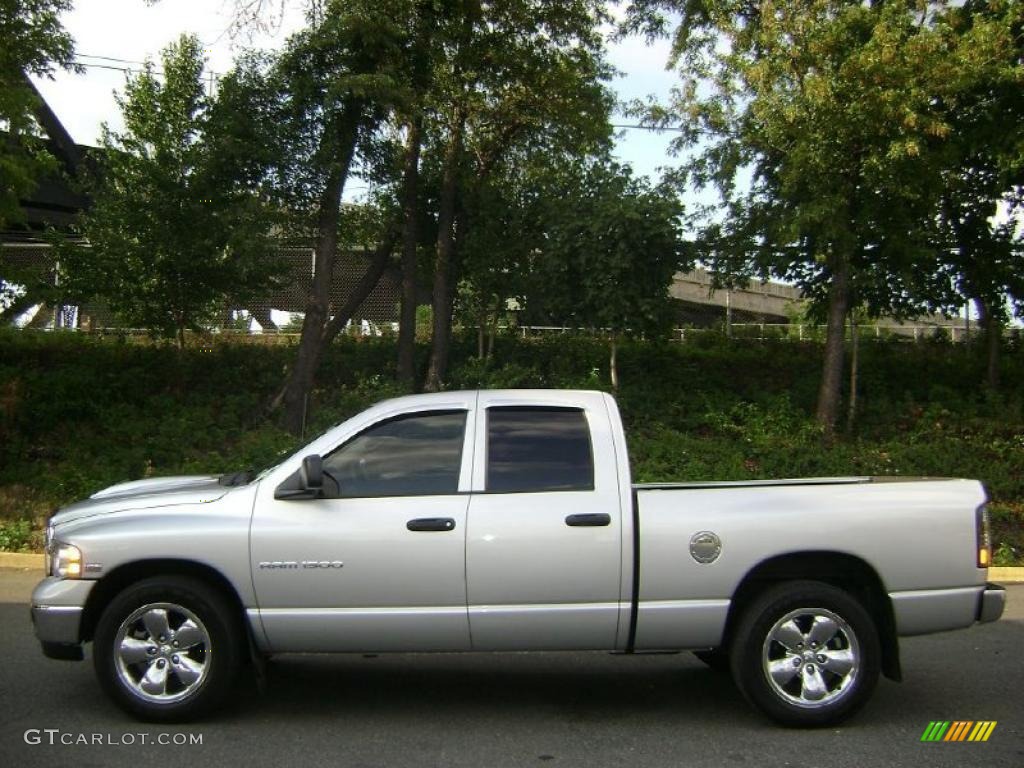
806 654
167 649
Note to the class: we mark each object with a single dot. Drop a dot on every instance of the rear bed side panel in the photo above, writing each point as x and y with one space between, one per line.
918 536
629 542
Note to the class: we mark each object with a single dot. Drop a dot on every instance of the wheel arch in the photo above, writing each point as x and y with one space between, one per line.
848 572
113 583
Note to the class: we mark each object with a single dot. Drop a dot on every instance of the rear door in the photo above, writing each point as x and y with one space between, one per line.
544 535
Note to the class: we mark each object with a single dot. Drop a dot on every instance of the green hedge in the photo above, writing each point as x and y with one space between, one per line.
80 413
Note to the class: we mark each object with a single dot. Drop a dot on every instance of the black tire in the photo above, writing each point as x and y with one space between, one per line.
716 659
187 694
818 693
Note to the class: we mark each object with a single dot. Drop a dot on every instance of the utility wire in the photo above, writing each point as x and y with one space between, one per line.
647 128
129 65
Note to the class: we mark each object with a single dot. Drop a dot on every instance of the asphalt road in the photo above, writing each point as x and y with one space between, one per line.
482 710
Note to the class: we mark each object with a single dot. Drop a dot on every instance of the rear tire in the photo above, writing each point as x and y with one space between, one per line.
167 649
806 654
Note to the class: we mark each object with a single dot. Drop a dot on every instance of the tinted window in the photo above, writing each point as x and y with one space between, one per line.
538 449
415 455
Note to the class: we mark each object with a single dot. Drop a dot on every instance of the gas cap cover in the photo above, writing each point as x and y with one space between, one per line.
705 547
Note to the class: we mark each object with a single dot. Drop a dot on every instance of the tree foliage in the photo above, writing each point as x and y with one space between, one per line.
368 86
608 248
608 245
174 232
983 183
842 114
492 103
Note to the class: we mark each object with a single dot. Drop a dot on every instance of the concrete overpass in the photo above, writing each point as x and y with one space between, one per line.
770 302
758 302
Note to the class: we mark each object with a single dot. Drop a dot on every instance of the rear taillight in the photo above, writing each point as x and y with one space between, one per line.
984 537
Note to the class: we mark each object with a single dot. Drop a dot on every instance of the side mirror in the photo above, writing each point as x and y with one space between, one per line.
307 482
312 473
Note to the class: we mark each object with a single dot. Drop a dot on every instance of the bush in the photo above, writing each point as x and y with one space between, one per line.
80 413
18 536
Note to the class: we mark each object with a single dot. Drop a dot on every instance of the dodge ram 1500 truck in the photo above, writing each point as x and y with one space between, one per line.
506 521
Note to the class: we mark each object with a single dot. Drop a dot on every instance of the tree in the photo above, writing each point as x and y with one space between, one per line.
497 251
609 247
386 90
840 111
428 23
984 256
172 234
494 101
329 91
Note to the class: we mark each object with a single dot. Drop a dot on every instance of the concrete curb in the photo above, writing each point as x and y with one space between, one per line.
29 560
1004 574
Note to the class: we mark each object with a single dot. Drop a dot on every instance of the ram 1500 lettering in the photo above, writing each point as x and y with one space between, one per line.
506 521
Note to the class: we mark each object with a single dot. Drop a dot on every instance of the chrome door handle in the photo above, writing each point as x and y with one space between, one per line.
579 521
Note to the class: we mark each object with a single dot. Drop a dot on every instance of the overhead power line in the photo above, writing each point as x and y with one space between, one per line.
126 65
637 127
108 58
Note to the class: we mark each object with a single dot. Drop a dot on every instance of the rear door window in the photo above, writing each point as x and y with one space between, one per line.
534 449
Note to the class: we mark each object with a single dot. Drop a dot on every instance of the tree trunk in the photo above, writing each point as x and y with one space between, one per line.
440 346
851 412
992 328
832 371
410 239
300 382
371 277
993 339
295 395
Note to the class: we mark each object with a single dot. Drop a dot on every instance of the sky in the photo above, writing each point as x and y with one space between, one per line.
132 31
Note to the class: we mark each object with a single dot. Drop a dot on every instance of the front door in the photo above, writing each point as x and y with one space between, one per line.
381 565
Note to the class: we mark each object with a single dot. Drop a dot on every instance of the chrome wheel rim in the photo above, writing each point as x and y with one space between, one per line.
811 658
162 652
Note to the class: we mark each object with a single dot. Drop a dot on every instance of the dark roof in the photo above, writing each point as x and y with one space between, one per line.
56 200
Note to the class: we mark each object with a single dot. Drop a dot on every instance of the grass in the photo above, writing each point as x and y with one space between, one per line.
79 413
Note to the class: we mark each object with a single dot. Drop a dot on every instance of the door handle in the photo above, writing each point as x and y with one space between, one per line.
578 521
431 524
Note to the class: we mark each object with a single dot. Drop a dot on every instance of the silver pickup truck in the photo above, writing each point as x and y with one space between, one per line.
506 521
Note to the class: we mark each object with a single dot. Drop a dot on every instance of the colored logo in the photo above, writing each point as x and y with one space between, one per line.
958 730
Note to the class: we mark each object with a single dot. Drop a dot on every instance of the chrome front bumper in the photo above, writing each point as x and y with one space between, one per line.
991 602
57 606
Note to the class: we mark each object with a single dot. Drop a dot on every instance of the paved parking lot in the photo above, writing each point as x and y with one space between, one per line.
482 710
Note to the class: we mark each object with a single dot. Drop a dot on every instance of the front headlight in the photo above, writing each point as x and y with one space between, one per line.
66 562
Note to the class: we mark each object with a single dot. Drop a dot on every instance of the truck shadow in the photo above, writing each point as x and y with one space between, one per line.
592 687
